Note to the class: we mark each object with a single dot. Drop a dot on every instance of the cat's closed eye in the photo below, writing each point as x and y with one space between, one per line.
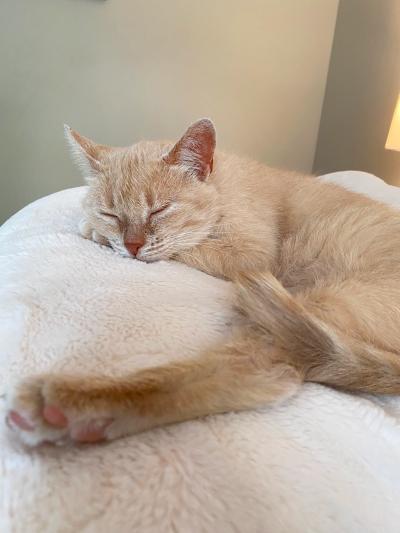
159 210
108 215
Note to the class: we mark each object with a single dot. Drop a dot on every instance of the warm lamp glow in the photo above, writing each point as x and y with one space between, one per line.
393 139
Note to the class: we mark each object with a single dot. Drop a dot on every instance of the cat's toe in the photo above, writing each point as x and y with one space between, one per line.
80 429
96 237
54 416
85 228
90 431
88 232
14 418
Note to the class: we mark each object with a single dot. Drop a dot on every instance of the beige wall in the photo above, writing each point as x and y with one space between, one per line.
363 84
120 70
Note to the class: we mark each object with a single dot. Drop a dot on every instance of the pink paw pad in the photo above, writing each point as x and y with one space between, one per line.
91 432
54 416
14 418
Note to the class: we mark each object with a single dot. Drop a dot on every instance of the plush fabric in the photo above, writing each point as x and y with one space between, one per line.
324 462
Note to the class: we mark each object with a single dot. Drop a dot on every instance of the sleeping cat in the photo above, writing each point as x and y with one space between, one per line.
316 269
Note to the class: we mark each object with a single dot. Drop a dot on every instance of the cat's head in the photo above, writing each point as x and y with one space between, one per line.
151 200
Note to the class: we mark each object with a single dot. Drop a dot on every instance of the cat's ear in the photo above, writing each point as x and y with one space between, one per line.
195 149
88 154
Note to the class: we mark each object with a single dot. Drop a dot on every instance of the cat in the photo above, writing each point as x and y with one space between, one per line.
316 268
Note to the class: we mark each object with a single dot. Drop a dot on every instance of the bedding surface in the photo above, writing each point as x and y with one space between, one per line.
323 462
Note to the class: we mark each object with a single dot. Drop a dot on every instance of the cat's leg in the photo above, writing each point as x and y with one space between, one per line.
228 257
242 374
365 317
343 334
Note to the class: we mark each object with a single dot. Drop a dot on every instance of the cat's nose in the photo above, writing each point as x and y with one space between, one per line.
133 247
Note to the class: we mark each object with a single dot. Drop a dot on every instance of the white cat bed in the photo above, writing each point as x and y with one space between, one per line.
324 462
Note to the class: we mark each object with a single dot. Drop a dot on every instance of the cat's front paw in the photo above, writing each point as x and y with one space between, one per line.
51 409
26 405
88 232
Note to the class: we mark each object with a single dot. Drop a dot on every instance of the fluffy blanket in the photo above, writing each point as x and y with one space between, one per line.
324 462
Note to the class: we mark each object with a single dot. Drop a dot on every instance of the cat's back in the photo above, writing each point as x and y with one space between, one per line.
317 214
344 230
312 198
246 185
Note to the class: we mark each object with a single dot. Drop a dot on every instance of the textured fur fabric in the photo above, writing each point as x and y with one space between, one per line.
323 462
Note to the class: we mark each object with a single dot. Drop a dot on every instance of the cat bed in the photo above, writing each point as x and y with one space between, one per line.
323 462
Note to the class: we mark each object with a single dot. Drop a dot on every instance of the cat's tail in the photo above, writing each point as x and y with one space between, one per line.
316 348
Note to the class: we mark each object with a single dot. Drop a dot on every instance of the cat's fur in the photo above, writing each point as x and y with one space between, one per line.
316 269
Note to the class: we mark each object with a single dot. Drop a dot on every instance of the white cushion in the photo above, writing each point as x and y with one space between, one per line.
323 462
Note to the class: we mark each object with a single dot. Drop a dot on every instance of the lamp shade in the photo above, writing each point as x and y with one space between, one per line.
393 138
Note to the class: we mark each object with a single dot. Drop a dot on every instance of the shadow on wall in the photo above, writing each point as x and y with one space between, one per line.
362 89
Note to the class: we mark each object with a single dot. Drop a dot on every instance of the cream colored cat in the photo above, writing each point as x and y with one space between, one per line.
316 269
